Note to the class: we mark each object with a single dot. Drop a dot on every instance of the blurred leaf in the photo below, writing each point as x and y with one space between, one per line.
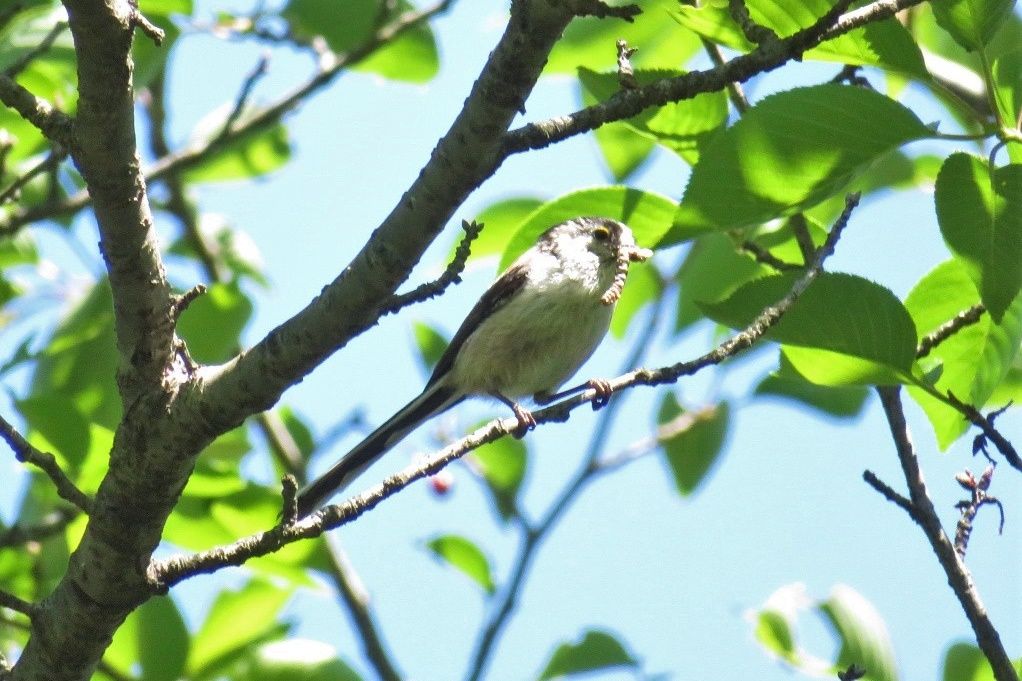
648 214
218 469
643 288
155 637
966 662
788 152
1007 71
589 41
148 57
711 269
980 217
841 402
348 24
80 360
974 360
464 556
885 44
243 158
624 150
502 464
499 222
56 425
862 632
773 632
296 658
212 324
692 451
228 245
972 23
18 249
430 343
838 313
684 126
299 431
237 620
596 650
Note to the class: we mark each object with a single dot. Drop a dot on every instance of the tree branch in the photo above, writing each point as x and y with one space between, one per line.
47 463
54 124
628 103
949 328
926 517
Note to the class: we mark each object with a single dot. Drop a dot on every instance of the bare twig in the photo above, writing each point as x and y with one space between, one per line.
767 258
888 493
926 517
601 10
986 424
182 301
53 123
26 453
52 523
151 30
241 101
451 275
949 328
50 162
754 33
12 602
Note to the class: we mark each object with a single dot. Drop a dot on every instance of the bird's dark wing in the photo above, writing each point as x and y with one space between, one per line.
496 296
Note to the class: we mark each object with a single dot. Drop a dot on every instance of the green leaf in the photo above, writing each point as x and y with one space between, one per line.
884 44
980 217
596 650
840 314
252 155
644 286
973 361
218 469
349 24
163 640
841 401
790 151
18 249
624 150
693 449
966 662
862 632
80 360
296 658
502 464
299 431
229 246
499 221
773 632
213 323
56 425
589 41
972 23
648 214
684 126
238 619
711 269
430 343
1007 71
465 557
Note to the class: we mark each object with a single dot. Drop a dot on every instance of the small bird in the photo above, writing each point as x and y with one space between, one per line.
528 334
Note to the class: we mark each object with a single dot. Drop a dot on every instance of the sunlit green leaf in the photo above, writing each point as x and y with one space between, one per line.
596 650
56 425
499 222
644 285
163 641
790 151
773 632
648 214
684 126
975 359
972 23
886 44
430 344
692 442
980 217
464 556
862 632
966 662
839 313
502 464
252 155
238 619
1007 70
787 383
590 41
624 150
212 324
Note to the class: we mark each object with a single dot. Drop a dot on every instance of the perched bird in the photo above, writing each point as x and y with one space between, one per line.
529 333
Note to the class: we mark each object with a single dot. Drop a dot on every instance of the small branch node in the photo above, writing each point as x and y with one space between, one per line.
888 493
753 32
601 10
12 602
625 72
948 329
289 497
151 30
181 302
26 453
978 497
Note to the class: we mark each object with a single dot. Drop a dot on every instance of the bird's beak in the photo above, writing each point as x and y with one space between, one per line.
638 254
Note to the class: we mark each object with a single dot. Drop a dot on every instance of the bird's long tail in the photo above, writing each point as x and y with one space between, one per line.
433 400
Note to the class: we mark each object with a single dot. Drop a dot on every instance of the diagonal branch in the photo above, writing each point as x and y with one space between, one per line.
926 517
766 57
53 123
47 463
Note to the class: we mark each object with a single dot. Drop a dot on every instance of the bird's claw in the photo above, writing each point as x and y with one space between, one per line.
603 392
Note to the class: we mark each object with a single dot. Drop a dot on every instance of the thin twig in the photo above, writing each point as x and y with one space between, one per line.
148 28
926 517
949 328
51 161
53 123
241 101
451 275
26 453
12 602
767 258
986 424
50 524
753 32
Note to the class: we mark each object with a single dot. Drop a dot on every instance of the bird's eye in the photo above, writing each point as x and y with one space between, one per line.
601 233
